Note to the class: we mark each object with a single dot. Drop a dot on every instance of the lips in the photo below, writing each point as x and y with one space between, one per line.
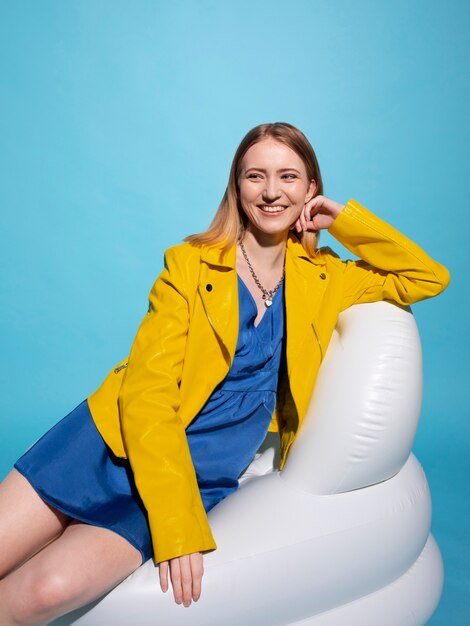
275 208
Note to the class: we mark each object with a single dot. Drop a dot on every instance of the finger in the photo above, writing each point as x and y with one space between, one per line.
316 205
315 209
163 573
303 217
297 225
311 223
197 570
317 201
175 575
186 579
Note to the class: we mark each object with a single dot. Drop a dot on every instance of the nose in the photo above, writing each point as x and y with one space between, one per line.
271 190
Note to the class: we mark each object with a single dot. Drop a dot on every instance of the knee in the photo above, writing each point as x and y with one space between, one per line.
51 591
46 596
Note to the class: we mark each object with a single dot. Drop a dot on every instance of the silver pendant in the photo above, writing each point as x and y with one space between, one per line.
267 303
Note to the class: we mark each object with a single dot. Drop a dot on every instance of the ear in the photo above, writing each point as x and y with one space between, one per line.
311 190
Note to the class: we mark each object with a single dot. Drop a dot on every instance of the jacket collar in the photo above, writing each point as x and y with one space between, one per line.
305 286
213 255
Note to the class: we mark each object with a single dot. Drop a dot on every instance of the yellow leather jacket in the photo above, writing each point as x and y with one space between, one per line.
186 343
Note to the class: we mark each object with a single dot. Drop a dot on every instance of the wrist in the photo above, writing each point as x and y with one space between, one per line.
336 209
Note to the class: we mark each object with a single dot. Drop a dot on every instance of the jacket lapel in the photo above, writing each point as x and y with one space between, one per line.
218 290
304 289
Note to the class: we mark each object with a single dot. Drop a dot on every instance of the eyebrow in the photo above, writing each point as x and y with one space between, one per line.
284 169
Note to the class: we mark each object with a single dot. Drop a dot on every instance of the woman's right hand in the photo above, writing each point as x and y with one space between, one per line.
318 213
186 576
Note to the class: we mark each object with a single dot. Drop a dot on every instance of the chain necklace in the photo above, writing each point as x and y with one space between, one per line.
267 295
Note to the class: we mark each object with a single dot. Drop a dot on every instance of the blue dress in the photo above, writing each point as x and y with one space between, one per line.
73 469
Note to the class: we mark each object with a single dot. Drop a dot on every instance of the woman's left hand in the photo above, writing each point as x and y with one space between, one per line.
318 213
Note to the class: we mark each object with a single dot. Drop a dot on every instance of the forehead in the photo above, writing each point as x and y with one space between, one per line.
272 154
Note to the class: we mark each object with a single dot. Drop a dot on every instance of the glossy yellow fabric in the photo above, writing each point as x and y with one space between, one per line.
186 343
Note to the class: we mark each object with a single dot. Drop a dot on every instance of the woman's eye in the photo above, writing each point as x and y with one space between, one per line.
255 176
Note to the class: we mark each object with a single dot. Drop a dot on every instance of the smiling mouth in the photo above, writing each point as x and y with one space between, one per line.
276 208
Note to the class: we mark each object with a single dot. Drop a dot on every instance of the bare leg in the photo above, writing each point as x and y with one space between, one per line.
84 563
27 523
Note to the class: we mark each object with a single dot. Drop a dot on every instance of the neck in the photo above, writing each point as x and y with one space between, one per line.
265 250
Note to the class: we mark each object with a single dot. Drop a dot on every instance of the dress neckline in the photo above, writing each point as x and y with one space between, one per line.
255 306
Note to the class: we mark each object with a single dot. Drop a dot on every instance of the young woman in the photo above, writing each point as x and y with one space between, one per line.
238 323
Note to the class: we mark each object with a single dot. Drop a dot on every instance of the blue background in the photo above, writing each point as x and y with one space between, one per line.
119 120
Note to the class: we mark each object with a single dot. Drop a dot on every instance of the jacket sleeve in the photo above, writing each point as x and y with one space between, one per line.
392 267
153 433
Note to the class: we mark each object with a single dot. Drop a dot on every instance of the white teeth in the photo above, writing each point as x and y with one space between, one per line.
272 209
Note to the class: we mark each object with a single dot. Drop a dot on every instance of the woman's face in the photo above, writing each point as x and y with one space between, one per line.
274 187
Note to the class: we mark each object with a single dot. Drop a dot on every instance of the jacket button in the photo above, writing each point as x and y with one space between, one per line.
209 287
322 276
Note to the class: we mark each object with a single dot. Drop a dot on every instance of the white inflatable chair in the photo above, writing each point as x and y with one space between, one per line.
341 536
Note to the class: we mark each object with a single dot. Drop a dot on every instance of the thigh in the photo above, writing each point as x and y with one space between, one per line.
27 523
78 567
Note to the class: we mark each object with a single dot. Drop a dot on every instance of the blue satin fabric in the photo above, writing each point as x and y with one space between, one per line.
72 468
228 431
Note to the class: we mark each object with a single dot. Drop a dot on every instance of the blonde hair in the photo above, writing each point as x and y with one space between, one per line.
229 222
